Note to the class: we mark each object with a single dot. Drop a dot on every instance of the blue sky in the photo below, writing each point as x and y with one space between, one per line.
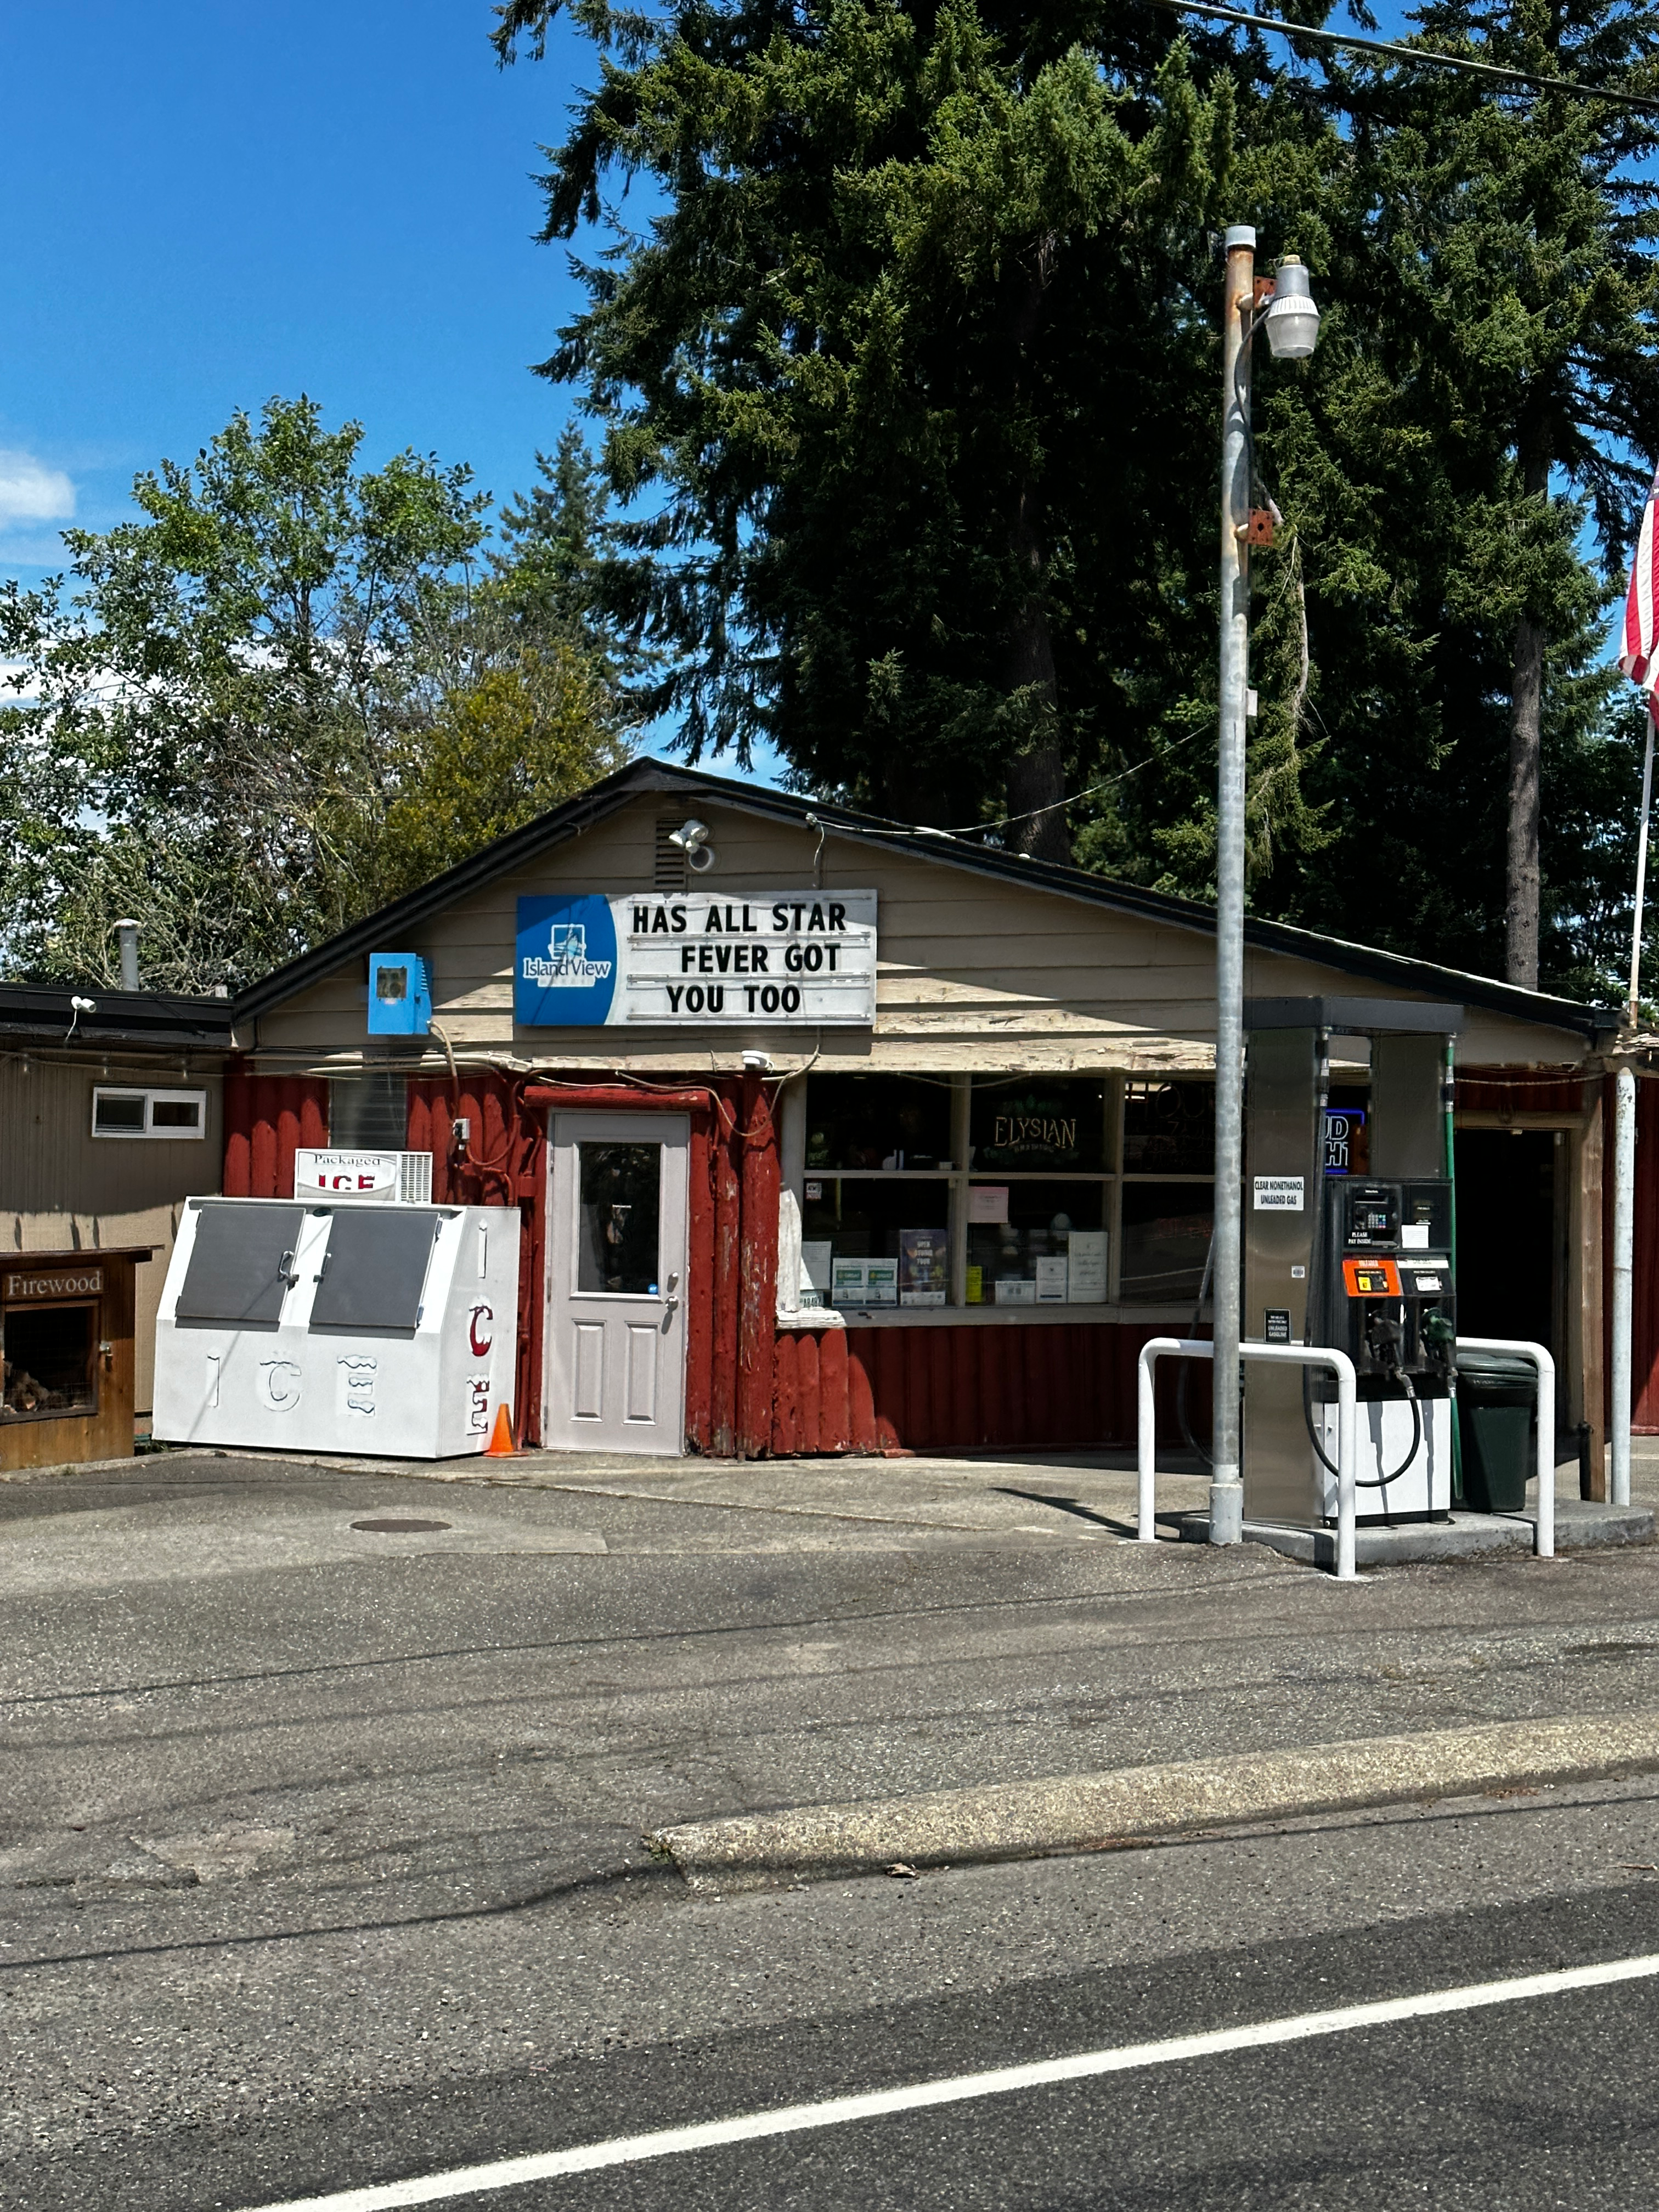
208 204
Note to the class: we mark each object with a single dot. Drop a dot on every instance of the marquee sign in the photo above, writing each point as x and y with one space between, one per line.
805 959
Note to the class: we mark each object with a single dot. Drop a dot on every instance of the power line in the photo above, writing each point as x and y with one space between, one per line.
1033 814
1491 70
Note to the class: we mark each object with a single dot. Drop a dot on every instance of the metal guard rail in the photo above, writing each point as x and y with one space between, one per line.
1544 1527
1284 1355
1321 1356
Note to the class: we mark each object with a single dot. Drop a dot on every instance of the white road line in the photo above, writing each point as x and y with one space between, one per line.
960 2088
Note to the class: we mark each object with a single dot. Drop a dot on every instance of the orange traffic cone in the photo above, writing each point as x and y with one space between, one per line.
500 1444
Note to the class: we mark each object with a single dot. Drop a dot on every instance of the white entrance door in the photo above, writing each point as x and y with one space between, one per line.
615 1349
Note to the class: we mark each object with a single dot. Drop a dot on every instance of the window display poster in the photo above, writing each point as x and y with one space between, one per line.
987 1201
922 1264
1086 1286
1050 1271
1015 1291
815 1264
975 1287
864 1282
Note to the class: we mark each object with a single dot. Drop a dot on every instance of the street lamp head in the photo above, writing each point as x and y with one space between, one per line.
1292 320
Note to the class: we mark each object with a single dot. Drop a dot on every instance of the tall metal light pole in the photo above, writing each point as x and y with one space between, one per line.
1292 327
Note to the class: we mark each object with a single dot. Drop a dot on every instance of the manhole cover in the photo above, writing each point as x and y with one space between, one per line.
390 1524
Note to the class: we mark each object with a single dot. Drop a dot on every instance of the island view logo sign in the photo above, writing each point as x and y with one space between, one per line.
567 965
566 969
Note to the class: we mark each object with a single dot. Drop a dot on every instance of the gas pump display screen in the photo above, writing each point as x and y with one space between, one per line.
1370 1279
1425 1207
239 1264
375 1270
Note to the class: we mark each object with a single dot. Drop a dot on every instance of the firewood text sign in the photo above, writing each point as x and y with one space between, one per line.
804 959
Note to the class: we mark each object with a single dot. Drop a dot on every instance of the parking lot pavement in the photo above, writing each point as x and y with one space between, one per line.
790 1505
310 1815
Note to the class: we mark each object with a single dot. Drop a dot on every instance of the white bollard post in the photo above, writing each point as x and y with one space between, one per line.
1145 1441
1347 1449
1544 1544
1624 1253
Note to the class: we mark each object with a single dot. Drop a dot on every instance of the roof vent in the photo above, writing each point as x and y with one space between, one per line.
669 871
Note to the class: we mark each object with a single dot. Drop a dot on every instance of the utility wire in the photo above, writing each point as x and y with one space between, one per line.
1414 54
1003 821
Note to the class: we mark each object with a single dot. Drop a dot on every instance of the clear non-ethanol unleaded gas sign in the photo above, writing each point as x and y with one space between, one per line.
806 958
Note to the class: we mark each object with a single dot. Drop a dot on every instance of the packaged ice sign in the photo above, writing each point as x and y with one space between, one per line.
346 1174
804 959
1279 1193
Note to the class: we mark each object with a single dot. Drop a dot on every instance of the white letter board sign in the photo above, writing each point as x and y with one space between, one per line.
690 959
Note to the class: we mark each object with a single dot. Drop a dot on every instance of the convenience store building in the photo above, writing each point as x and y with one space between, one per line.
828 1133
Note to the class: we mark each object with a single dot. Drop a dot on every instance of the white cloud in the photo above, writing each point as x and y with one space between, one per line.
31 492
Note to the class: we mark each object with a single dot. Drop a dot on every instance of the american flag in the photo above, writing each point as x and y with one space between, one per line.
1641 607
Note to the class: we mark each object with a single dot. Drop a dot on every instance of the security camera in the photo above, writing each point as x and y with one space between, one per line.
692 838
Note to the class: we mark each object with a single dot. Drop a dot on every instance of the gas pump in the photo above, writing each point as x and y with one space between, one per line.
1362 1263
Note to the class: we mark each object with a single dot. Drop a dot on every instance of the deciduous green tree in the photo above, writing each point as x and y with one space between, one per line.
245 718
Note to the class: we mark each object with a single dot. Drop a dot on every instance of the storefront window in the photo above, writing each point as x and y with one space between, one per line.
876 1240
1073 1190
875 1122
1037 1244
1166 1239
1169 1128
1021 1127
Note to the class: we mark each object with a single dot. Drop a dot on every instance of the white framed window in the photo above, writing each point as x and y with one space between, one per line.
118 1111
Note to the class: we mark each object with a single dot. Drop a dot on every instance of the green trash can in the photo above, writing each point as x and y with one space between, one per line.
1497 1407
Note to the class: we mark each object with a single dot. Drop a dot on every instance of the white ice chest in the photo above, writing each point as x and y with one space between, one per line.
302 1325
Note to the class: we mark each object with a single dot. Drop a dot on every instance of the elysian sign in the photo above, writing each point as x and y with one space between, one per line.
803 958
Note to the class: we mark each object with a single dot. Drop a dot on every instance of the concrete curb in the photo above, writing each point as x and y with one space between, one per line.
1096 1811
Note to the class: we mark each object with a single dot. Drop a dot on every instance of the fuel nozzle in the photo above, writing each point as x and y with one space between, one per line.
1440 1338
1384 1341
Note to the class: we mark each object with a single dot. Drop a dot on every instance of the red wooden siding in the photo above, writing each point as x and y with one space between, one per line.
990 1387
267 1118
1497 1089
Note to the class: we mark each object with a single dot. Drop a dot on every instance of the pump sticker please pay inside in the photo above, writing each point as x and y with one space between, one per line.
1278 1194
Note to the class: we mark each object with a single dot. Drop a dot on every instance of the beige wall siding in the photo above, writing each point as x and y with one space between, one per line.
62 1189
974 973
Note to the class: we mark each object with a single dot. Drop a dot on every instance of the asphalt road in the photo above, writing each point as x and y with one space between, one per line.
320 1860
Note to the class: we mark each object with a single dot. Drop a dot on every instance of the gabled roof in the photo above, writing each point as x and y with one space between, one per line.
43 1013
381 931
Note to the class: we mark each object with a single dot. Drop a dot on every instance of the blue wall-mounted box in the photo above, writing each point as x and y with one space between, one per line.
399 995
